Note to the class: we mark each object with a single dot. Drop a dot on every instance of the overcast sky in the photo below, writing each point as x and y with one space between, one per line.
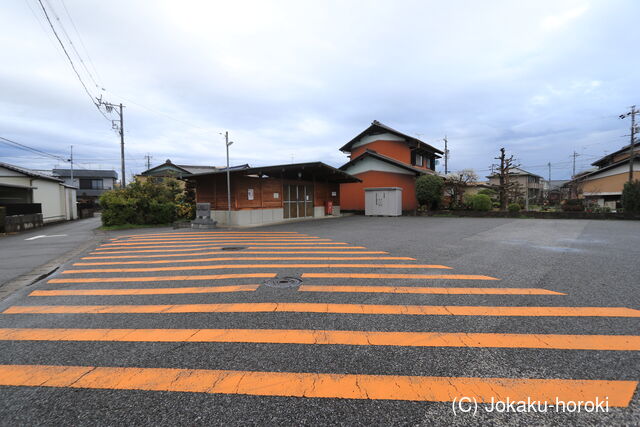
294 81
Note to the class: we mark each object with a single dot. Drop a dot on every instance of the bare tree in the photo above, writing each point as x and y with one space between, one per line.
457 182
507 189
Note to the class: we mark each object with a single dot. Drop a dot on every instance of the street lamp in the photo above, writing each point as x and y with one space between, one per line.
228 143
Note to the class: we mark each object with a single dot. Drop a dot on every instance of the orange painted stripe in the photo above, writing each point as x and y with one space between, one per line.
214 238
227 243
214 233
238 266
332 337
233 240
145 291
397 276
218 233
207 247
241 252
430 290
314 385
285 307
162 278
257 258
199 248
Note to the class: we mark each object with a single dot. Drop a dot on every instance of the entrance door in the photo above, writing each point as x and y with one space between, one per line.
297 201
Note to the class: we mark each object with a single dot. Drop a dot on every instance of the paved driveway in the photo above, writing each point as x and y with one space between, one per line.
395 321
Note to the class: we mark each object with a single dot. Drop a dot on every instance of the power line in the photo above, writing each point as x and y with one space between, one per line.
24 147
86 51
73 47
64 49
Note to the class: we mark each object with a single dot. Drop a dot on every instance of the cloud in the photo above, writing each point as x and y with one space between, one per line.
302 78
562 20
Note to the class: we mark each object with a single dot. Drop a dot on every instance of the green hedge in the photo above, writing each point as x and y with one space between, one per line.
480 202
631 197
145 203
429 190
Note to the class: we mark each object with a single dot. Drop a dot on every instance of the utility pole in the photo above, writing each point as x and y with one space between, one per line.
549 182
574 155
71 162
228 143
446 156
148 158
632 153
118 126
123 180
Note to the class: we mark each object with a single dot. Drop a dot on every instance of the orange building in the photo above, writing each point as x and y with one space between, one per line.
384 157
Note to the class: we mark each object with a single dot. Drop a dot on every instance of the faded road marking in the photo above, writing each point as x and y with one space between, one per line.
287 307
428 290
240 266
145 291
313 385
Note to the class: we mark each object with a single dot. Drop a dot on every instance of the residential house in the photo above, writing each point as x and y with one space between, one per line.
604 185
270 194
557 190
91 183
29 188
380 156
529 185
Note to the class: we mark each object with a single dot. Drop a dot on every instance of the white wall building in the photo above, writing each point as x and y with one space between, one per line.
21 185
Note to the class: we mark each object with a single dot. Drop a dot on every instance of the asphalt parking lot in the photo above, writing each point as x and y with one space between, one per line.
341 321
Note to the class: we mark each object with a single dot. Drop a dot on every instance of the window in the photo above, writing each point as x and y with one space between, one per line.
419 160
91 184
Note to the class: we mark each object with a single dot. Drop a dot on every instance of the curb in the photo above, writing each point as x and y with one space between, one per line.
45 270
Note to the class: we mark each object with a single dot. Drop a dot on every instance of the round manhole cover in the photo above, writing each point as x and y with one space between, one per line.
283 282
233 248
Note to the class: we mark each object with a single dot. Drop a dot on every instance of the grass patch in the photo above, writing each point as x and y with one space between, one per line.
131 226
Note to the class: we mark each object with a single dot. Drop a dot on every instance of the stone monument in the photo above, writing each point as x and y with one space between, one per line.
203 217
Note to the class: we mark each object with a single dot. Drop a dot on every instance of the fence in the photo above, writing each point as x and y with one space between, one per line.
21 208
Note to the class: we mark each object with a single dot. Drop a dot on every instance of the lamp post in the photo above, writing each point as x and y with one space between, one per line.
228 143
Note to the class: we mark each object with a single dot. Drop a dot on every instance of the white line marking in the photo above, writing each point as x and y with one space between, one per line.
44 235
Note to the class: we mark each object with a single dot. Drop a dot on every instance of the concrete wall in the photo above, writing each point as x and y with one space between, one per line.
249 217
15 223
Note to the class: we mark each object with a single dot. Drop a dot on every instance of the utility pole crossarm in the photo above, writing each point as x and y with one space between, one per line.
120 127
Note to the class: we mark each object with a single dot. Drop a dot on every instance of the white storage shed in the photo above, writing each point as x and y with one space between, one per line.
383 201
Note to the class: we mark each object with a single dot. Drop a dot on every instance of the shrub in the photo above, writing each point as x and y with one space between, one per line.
513 207
481 202
573 205
493 194
149 202
429 190
631 197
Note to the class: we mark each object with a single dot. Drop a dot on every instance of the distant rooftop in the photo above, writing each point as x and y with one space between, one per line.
28 172
86 173
186 170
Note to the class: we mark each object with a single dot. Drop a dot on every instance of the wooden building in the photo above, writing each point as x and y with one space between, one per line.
270 194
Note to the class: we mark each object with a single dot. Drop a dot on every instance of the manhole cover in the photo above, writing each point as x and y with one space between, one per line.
233 248
283 282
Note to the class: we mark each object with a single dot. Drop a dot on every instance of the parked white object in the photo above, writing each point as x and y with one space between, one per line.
383 201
